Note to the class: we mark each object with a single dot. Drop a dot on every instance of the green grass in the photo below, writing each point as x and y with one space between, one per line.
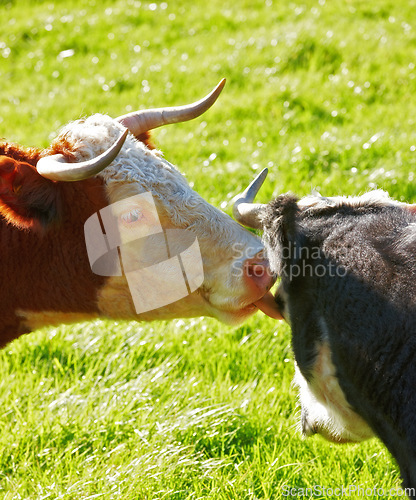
322 93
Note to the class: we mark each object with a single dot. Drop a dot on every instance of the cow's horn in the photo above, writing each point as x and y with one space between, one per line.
244 210
139 122
57 168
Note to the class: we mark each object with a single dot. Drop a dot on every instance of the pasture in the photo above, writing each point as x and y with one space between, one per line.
321 92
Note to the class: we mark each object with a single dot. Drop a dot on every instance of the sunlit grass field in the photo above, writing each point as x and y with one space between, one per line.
322 92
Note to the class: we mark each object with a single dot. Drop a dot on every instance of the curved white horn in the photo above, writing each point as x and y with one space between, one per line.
244 210
139 122
57 168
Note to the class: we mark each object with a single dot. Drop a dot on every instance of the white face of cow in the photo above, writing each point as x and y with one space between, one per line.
148 196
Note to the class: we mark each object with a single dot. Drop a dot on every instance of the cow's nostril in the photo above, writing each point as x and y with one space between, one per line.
257 272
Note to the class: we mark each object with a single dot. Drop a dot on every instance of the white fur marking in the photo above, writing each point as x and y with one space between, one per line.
327 408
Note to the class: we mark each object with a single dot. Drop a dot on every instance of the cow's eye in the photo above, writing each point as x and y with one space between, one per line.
132 216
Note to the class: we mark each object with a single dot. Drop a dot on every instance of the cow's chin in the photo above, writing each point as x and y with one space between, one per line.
234 317
236 311
343 436
191 306
115 302
265 304
194 305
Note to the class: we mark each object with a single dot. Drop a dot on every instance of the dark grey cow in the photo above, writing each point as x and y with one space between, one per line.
348 290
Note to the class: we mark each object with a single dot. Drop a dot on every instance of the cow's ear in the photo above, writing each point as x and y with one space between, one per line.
27 200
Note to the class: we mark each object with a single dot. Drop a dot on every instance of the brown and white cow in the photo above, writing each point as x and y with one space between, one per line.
348 291
47 195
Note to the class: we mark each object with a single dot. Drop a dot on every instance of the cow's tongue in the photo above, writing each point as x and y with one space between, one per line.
268 305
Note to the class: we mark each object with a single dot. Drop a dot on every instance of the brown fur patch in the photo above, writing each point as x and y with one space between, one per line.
20 153
61 145
146 139
48 270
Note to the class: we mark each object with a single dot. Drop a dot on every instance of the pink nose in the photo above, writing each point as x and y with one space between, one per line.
258 275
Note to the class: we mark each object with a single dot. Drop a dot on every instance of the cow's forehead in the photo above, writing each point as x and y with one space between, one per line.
93 135
135 164
376 198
